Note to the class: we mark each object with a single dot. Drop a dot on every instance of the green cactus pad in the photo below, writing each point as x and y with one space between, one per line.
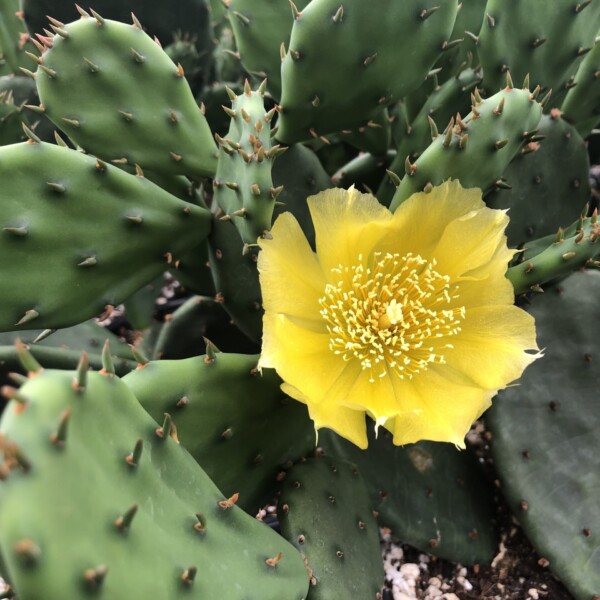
301 174
260 28
185 333
543 39
236 422
325 511
430 495
549 182
489 137
545 436
412 138
13 36
344 61
62 349
557 256
99 499
184 18
78 235
243 187
115 93
582 102
235 273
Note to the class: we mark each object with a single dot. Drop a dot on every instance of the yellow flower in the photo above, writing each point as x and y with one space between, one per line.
405 317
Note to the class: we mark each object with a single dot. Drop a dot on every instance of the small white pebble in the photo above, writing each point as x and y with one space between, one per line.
432 592
450 596
462 572
410 570
435 581
533 593
398 595
465 583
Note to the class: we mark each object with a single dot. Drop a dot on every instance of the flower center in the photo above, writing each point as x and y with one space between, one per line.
391 314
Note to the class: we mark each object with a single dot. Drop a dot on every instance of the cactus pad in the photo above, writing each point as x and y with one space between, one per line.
99 500
325 512
545 436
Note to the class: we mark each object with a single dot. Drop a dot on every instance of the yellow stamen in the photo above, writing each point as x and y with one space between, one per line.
390 313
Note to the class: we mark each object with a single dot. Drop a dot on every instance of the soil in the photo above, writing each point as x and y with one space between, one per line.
517 572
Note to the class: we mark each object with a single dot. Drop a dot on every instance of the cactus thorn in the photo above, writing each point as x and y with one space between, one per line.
176 157
490 20
245 115
138 355
255 189
59 437
84 14
232 95
94 578
462 141
41 48
42 336
232 113
295 12
18 378
34 139
16 231
569 255
502 184
498 144
243 19
61 32
133 459
339 15
370 59
93 68
409 169
200 526
509 82
108 367
38 59
123 522
100 20
582 51
90 261
546 99
393 177
29 316
474 37
136 23
72 122
137 56
164 431
538 42
230 502
28 72
272 562
188 575
427 12
80 380
581 5
11 393
211 351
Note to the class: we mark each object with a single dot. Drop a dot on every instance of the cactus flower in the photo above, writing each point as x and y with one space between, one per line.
406 317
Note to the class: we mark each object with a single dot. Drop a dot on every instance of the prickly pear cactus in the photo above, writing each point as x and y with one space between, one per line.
243 186
430 495
115 93
549 182
363 54
489 136
325 512
97 496
237 423
545 436
76 232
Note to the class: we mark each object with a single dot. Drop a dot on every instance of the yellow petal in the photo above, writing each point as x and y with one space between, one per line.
490 349
300 356
438 406
470 241
418 223
346 422
347 223
290 276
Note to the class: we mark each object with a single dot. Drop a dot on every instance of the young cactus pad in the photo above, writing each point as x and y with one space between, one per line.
78 234
98 499
115 92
